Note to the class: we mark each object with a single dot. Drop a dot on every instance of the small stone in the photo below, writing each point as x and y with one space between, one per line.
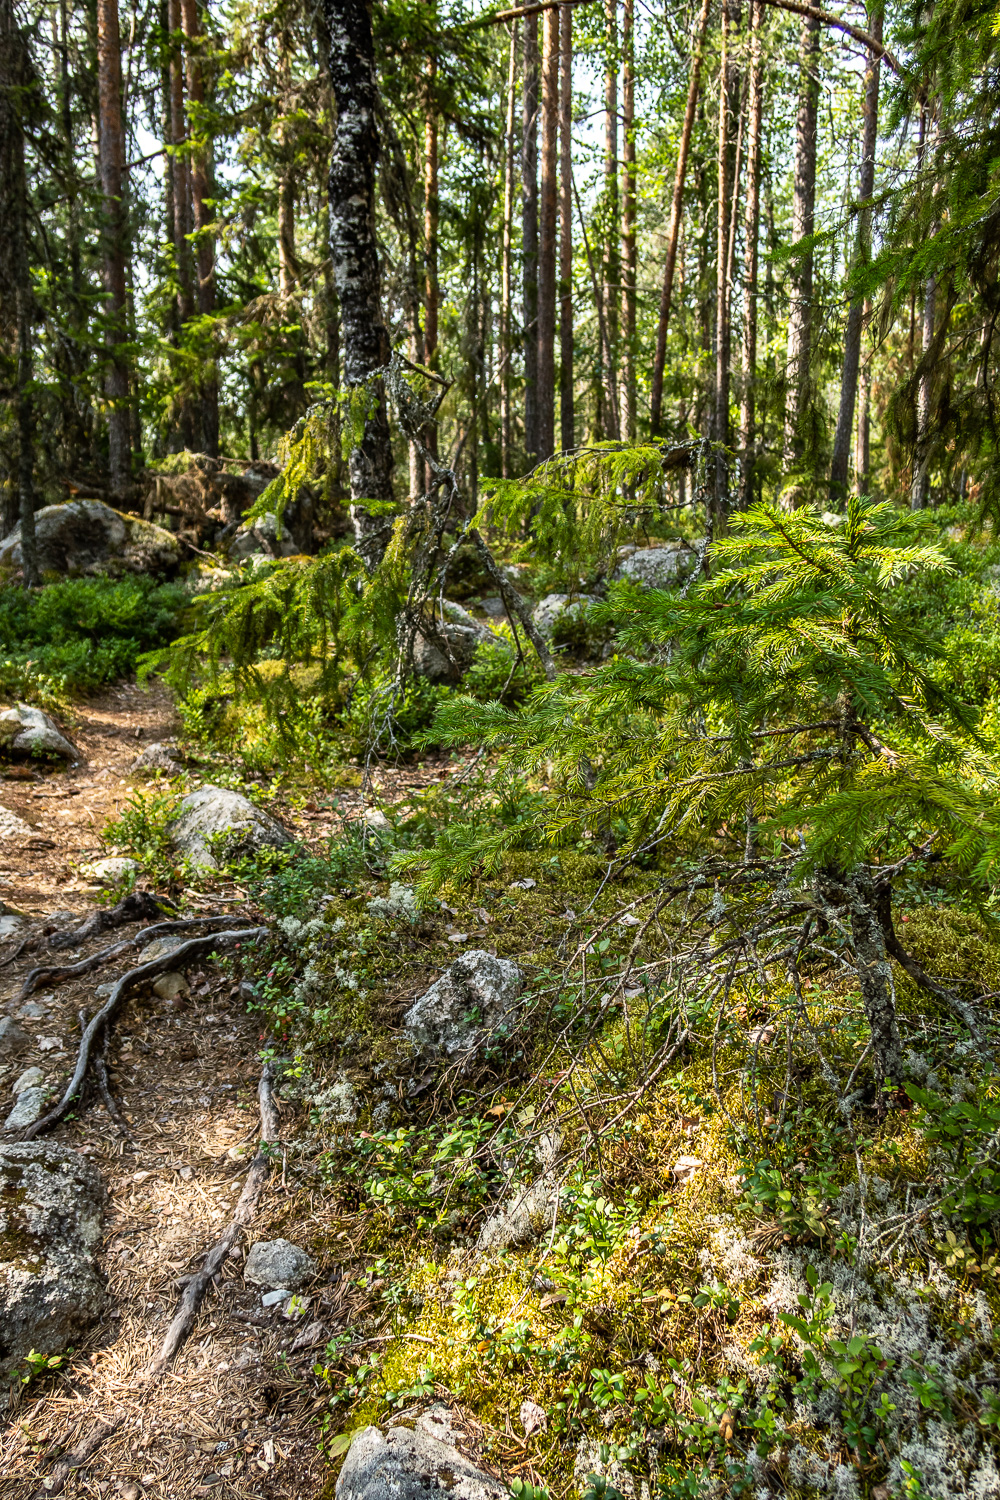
12 924
13 1038
271 1299
103 991
112 871
470 1000
411 1466
171 986
211 811
278 1263
160 948
29 1079
157 757
533 1417
27 731
375 818
33 1011
30 1106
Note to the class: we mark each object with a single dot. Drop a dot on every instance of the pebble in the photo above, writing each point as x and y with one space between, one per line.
29 1079
271 1299
30 1106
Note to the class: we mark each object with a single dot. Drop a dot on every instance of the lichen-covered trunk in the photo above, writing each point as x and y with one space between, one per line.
354 253
797 366
529 236
854 896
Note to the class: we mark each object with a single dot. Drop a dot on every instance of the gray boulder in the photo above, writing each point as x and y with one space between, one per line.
658 567
51 1208
445 653
214 810
261 539
156 757
27 731
278 1263
470 1000
87 536
566 614
412 1465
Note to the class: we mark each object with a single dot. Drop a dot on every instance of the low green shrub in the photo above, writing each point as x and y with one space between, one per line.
74 636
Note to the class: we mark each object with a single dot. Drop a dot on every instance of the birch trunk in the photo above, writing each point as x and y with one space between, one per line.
354 253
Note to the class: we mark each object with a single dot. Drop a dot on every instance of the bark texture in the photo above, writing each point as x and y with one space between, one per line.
203 257
111 160
506 254
610 289
854 896
529 235
797 402
354 252
547 220
627 389
728 110
751 233
674 229
16 299
862 253
566 423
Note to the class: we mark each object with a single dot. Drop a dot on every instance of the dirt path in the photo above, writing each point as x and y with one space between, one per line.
235 1416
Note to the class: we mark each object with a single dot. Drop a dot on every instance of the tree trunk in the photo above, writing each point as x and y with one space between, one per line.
181 171
862 253
547 235
506 298
566 414
797 384
728 109
862 440
920 487
627 398
529 236
854 895
432 211
16 295
201 219
111 151
674 229
354 252
610 290
751 234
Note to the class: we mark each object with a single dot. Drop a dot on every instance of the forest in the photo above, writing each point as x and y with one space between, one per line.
499 750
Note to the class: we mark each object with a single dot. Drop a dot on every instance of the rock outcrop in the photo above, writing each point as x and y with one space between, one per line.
51 1209
212 811
87 536
469 1001
445 650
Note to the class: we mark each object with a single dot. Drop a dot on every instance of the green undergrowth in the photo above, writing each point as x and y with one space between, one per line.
73 637
716 1284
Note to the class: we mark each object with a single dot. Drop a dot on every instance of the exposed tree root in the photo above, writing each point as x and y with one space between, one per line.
193 948
138 906
104 1088
55 974
193 1294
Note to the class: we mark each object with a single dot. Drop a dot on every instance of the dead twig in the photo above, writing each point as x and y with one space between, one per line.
194 1292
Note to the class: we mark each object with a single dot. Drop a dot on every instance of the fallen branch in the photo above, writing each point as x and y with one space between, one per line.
193 1295
194 948
55 974
194 1291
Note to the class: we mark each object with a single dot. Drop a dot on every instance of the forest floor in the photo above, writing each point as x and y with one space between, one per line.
235 1415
